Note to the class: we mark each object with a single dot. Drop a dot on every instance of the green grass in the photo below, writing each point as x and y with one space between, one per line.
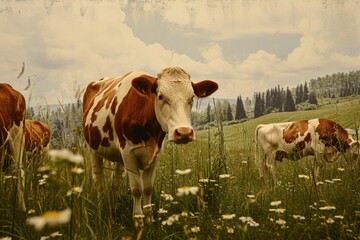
241 192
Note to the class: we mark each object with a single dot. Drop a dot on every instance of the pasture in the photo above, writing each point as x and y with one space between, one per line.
220 197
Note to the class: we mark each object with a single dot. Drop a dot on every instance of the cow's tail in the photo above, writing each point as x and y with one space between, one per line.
256 152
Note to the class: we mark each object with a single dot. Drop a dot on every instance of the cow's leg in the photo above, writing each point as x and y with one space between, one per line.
16 147
136 186
148 180
97 165
117 174
267 168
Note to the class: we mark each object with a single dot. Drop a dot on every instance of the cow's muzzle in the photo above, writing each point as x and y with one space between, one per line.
183 135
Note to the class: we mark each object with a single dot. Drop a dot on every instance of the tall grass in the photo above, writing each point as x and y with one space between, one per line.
230 202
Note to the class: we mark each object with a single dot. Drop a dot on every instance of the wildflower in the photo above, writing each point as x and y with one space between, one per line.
31 211
224 175
195 229
173 218
329 181
250 196
303 176
230 230
275 203
42 181
184 214
320 183
183 172
162 211
50 218
280 222
298 217
65 155
228 216
341 169
245 219
244 162
277 210
325 208
336 180
75 190
330 221
252 223
204 180
186 190
249 221
5 238
339 217
77 170
167 197
53 235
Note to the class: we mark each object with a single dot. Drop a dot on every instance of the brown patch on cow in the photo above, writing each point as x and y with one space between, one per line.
333 135
37 135
92 136
107 128
105 142
12 110
135 118
302 144
296 129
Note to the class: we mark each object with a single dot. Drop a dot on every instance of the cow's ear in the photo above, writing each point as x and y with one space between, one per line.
144 84
204 88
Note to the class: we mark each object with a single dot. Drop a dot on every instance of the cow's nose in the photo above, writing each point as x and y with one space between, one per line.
183 135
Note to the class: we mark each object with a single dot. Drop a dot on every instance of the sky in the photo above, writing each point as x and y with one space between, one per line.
245 46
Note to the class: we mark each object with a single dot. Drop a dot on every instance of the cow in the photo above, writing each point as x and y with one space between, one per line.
12 141
321 137
37 136
125 120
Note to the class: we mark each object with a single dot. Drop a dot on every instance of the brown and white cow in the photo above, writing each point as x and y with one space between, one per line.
37 136
12 141
126 119
294 140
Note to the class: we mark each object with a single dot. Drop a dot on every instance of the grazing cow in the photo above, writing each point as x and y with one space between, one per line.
12 142
126 119
294 140
37 136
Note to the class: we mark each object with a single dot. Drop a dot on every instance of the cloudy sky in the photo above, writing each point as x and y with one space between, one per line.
244 45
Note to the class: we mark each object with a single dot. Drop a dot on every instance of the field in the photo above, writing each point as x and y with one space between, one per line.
225 198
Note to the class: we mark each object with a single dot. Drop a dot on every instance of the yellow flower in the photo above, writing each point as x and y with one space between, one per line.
5 238
230 230
224 175
50 218
298 217
303 176
173 218
166 196
77 170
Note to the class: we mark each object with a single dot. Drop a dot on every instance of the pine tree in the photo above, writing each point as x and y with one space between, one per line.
229 115
240 110
289 105
312 98
306 92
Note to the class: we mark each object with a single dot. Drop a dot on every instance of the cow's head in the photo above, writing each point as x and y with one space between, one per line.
174 92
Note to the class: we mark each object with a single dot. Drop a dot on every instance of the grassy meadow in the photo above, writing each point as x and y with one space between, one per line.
221 197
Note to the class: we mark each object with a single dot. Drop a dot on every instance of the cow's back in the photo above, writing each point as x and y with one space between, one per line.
101 103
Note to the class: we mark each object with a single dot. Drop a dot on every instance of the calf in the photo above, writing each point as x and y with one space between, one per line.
294 140
12 142
126 119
